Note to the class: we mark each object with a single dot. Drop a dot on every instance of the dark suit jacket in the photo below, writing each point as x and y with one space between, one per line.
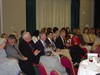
27 51
47 41
59 43
76 53
39 46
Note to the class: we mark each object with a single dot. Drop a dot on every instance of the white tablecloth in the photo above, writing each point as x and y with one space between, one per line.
88 68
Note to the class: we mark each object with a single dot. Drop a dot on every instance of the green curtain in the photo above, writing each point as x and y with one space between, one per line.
75 12
30 15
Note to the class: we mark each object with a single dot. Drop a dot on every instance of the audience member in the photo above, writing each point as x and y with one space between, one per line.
55 33
96 42
4 35
75 40
26 47
76 50
13 52
86 36
83 44
35 37
52 62
60 41
92 35
81 37
44 30
49 29
21 33
97 30
68 30
16 35
40 44
49 40
7 66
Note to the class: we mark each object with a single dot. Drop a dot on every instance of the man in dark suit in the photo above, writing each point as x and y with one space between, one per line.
60 41
26 47
40 44
49 40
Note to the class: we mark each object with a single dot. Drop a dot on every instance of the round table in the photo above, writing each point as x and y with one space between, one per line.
88 68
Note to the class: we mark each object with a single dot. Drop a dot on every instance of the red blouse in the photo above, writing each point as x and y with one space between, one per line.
75 40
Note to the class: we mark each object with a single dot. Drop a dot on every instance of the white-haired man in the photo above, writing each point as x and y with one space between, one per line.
26 47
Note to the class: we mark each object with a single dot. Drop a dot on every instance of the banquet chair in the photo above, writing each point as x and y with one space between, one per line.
42 69
54 72
67 64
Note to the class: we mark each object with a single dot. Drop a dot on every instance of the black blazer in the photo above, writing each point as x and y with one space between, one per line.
27 51
39 46
47 41
76 53
59 43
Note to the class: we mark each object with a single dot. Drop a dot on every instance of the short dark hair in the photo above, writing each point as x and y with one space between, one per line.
55 29
22 31
11 36
36 33
49 32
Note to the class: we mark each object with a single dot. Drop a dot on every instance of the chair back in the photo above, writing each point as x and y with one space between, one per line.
67 64
54 72
42 69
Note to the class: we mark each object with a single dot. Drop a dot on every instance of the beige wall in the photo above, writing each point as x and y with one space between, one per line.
86 13
14 15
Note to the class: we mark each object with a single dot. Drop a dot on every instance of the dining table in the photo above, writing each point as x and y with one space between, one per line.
87 67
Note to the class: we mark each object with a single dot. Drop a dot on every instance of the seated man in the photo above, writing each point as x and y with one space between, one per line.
49 41
26 47
7 66
52 62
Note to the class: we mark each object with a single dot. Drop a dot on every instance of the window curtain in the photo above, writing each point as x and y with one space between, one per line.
51 13
75 9
30 15
97 14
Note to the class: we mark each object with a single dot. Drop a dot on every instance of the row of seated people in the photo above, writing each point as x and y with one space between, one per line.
25 52
28 52
25 64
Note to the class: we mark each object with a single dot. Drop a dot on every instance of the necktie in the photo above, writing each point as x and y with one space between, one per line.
44 44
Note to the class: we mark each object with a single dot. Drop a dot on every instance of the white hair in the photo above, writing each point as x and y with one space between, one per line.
2 41
25 35
48 51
